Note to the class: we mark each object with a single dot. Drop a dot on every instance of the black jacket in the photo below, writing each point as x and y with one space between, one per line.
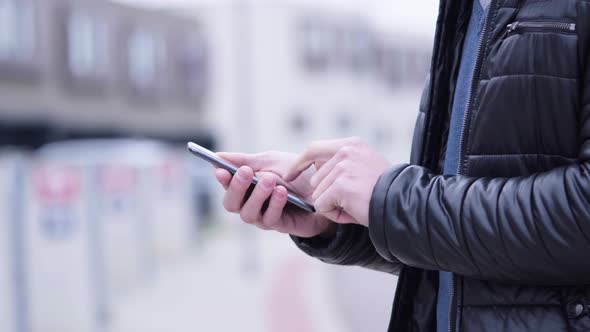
514 226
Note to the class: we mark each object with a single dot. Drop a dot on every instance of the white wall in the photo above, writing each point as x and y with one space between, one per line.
259 82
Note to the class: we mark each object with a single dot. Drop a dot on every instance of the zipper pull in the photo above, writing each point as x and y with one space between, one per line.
512 26
572 27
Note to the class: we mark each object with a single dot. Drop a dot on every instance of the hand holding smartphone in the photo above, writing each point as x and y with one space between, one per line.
213 159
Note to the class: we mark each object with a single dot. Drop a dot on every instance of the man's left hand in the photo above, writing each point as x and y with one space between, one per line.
348 170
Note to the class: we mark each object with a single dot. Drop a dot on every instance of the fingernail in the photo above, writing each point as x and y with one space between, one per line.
267 183
279 193
242 176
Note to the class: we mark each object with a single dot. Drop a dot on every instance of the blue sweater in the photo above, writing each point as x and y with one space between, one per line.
462 94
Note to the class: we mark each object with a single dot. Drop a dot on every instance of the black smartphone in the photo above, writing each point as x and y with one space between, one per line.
212 158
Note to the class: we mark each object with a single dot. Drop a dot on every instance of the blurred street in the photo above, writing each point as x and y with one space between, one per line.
288 292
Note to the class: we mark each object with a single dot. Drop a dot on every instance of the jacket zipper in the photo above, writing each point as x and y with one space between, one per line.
541 25
464 128
452 303
557 26
474 80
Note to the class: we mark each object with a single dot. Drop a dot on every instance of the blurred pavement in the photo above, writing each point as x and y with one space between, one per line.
289 292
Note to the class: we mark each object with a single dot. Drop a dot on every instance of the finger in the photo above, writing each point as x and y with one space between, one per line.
326 169
272 215
234 197
254 161
251 212
224 177
315 154
318 152
329 206
327 182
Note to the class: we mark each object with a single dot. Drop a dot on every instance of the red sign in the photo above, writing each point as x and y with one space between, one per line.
117 179
171 170
57 183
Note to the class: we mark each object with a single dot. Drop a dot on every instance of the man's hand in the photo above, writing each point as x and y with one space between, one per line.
270 167
343 184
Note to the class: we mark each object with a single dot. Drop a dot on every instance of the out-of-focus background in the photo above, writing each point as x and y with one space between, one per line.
107 224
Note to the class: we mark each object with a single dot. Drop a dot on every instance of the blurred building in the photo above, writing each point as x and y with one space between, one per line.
92 68
284 74
247 75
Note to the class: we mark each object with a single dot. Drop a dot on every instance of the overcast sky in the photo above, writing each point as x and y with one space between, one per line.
394 15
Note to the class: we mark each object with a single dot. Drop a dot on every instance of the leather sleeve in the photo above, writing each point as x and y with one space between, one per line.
533 229
350 246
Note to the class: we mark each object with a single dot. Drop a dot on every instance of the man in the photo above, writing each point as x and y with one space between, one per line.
489 227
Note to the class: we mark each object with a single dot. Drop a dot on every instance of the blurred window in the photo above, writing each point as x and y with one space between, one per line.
192 67
316 43
143 55
414 64
87 45
391 63
344 123
17 30
298 123
358 48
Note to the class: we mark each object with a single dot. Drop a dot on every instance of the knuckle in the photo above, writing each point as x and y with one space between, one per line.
356 141
345 152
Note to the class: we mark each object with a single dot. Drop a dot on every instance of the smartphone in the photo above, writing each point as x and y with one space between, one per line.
212 158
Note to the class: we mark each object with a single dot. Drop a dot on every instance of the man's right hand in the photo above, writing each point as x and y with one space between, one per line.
270 167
